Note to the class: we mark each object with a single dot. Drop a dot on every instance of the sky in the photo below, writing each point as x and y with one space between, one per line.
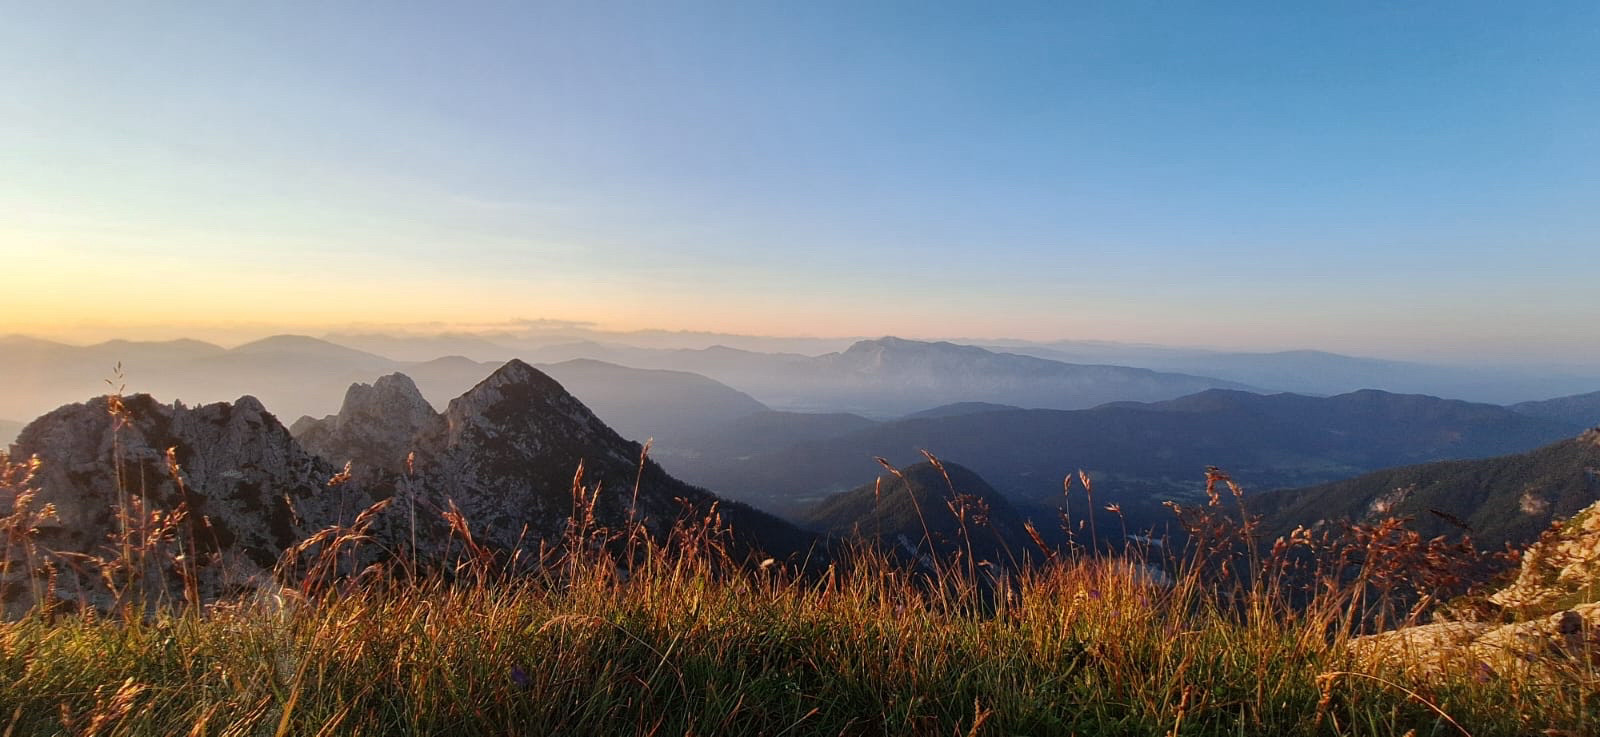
1417 179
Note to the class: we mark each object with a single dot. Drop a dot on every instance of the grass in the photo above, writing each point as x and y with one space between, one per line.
671 638
1085 648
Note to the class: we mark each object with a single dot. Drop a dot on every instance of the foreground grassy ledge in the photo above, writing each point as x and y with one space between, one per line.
1079 647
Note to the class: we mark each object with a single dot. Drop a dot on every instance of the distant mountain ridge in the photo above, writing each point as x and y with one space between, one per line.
1321 372
890 377
1580 409
1142 452
1504 499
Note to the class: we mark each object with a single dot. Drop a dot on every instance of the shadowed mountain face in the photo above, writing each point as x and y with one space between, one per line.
889 377
921 510
1143 452
505 452
1579 409
1509 498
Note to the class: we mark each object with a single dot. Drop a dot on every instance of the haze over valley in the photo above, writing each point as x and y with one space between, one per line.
785 431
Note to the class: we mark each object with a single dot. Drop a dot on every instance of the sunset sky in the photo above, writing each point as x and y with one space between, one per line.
1415 179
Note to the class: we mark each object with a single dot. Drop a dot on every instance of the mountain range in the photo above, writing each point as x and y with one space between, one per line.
505 448
1324 373
890 377
1137 451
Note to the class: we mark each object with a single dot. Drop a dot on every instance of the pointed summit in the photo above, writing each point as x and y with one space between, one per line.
510 448
517 397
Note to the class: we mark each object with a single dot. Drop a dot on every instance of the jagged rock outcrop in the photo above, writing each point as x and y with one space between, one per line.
377 425
1562 569
504 453
248 489
1554 602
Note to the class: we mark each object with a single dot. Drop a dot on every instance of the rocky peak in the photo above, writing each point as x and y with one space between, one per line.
378 425
519 399
249 487
1591 436
392 398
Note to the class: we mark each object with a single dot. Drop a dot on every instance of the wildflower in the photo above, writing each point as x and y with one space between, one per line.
520 677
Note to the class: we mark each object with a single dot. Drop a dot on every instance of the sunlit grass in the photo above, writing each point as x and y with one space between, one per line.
616 633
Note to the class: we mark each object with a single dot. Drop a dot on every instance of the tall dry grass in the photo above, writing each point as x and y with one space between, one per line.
620 632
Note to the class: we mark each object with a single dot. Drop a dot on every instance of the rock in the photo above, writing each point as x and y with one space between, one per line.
1560 570
1555 600
377 426
1427 646
248 489
504 453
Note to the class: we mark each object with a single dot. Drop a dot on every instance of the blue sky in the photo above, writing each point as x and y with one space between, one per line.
1411 179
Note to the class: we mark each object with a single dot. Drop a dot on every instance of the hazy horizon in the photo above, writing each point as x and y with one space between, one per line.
1404 181
518 333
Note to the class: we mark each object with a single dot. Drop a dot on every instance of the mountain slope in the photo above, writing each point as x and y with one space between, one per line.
653 403
761 432
896 511
1144 452
1579 409
1508 498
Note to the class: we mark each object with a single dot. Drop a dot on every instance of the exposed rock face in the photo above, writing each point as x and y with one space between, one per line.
249 489
1562 569
376 426
1555 598
505 453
